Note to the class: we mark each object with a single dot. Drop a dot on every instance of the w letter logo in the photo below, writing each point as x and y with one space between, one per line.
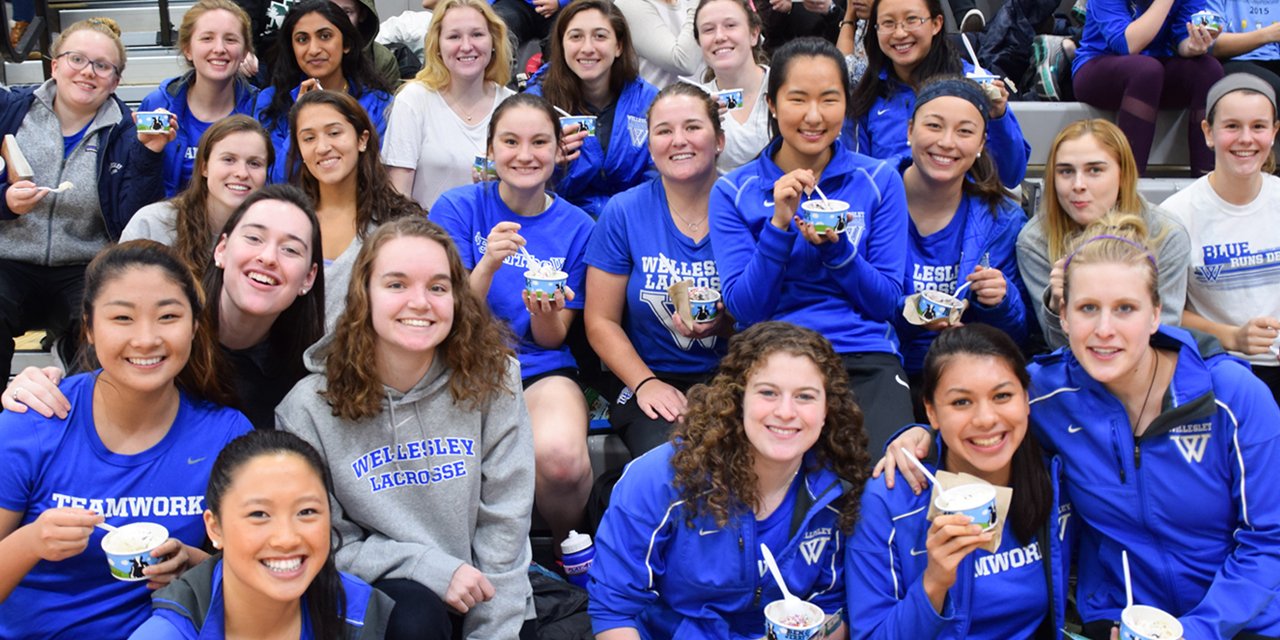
812 549
1210 272
1192 447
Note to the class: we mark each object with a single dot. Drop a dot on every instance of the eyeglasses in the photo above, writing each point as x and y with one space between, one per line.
910 24
79 62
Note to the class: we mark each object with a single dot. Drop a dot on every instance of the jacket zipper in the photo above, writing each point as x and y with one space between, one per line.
1115 448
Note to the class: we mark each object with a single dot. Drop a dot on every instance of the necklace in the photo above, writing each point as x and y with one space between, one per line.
458 105
693 226
1154 371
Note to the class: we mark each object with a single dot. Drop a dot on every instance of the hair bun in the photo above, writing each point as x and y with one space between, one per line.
106 22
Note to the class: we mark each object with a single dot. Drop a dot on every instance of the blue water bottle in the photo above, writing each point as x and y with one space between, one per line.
578 554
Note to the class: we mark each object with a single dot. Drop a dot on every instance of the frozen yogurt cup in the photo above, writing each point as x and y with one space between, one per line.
1140 622
1207 19
129 548
932 304
702 303
781 626
578 123
732 98
154 122
547 281
826 214
978 501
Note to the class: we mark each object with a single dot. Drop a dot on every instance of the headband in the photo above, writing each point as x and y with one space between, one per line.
967 90
1108 237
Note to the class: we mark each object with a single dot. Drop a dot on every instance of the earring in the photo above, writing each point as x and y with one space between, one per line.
362 148
303 292
979 154
217 263
217 545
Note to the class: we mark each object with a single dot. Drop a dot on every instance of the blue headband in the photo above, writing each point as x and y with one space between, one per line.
1108 237
967 90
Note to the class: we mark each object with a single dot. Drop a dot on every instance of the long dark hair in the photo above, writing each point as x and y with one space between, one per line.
325 597
806 47
207 375
1029 478
560 85
984 181
942 58
300 325
356 66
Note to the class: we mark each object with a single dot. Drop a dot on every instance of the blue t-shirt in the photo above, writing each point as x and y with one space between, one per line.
775 530
1009 588
559 234
1243 16
69 142
195 129
47 463
933 263
636 237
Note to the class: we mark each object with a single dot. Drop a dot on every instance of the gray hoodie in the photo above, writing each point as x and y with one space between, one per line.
425 486
1173 258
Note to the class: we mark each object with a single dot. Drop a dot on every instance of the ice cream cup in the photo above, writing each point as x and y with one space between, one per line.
826 214
535 284
1207 19
154 122
933 305
978 501
732 98
982 78
704 310
485 167
129 548
1140 622
779 627
586 122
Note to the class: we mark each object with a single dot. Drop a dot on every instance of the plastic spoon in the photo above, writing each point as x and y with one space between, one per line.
105 527
962 288
920 466
977 68
64 186
820 193
530 261
562 111
791 604
1128 584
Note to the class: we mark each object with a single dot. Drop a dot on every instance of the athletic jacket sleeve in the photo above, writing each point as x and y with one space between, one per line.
143 181
1009 149
751 271
164 625
1250 578
500 545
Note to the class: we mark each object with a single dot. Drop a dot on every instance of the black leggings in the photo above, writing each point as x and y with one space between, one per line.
420 614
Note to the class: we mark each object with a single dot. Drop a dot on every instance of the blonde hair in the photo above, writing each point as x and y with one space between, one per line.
436 76
1116 238
188 27
1058 226
105 26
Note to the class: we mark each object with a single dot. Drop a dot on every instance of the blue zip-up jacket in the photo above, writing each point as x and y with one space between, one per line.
849 290
1195 500
128 172
986 236
172 97
1104 30
596 175
884 569
671 579
882 132
375 103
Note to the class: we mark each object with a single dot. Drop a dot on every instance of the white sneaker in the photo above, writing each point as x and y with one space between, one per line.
973 21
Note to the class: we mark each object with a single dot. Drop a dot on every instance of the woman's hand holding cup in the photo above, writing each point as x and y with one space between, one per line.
951 538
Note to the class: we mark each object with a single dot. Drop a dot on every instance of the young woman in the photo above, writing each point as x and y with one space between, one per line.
267 279
491 222
906 45
729 33
215 36
935 581
1155 427
231 160
327 53
669 49
964 224
71 128
273 574
678 553
592 72
441 118
1231 207
1093 173
335 144
633 258
1136 58
846 286
136 446
418 408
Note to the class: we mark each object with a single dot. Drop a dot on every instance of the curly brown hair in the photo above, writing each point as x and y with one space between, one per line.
476 350
714 460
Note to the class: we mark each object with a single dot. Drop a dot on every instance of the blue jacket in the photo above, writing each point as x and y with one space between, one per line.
887 600
1104 30
882 132
1195 500
128 172
672 579
986 236
172 96
847 291
597 175
375 103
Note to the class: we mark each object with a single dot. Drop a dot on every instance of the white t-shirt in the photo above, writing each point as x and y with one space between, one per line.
156 221
743 141
425 135
1235 255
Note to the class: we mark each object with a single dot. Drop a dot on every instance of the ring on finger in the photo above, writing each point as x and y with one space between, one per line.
14 395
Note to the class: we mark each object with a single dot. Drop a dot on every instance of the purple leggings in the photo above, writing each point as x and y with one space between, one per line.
1138 85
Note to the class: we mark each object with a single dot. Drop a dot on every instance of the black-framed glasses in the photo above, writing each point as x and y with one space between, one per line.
910 24
78 61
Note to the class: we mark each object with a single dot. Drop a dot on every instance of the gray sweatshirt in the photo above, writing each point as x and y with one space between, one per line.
1173 258
425 486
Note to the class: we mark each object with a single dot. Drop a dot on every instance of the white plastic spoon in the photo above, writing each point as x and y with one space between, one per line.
105 527
791 604
962 288
919 465
1128 584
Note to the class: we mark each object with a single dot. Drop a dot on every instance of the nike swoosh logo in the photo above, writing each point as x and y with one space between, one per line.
1071 429
900 381
768 204
916 553
191 461
881 112
703 532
